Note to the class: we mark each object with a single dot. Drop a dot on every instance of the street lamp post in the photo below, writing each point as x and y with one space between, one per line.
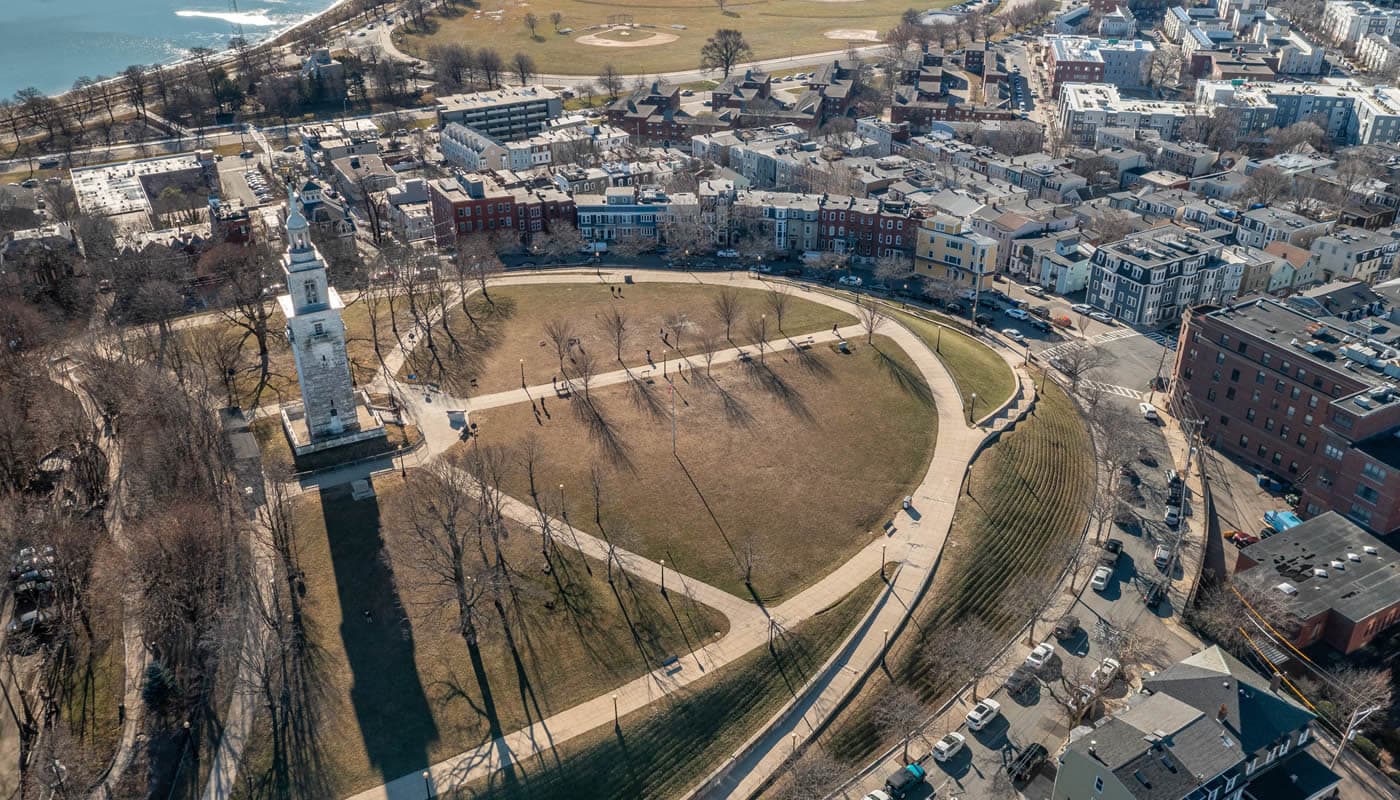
617 721
522 373
972 410
663 576
428 783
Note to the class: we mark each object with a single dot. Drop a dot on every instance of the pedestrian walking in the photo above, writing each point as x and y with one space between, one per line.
833 330
554 382
648 356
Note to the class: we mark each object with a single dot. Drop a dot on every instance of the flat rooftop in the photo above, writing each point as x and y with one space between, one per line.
1358 583
113 189
510 95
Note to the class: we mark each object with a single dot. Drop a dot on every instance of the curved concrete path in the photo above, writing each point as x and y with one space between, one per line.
914 545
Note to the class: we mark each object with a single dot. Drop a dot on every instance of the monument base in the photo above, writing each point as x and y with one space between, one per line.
303 444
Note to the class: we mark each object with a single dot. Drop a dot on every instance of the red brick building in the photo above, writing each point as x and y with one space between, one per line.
1337 581
1301 397
865 227
469 204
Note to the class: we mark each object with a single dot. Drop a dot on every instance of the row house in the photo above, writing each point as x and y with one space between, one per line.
1150 278
469 204
1354 254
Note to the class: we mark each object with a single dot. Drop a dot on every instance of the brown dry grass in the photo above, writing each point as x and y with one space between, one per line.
399 687
794 463
512 329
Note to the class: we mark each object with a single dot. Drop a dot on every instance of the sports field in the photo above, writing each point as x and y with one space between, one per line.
665 35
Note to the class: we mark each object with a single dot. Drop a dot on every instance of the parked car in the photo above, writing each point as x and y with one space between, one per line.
1172 516
849 280
1101 317
1102 576
1016 313
1161 556
1019 679
1153 593
1148 411
902 782
1014 335
1082 308
34 621
727 253
1242 539
1035 291
1105 672
983 319
1041 311
1028 762
982 714
1067 627
878 794
1040 656
950 745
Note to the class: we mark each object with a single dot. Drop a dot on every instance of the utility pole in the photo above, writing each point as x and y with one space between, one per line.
1357 717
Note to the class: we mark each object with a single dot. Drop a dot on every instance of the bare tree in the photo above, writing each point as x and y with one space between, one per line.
1267 185
893 269
872 318
611 81
1077 363
616 325
556 18
723 51
777 301
727 307
524 67
900 714
965 653
812 775
533 23
758 332
676 323
560 334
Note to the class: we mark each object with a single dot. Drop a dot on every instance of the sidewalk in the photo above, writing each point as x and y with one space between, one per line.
916 545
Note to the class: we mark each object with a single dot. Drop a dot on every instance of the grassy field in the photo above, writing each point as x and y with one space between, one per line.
400 688
1029 496
785 468
511 329
664 749
774 28
93 688
975 367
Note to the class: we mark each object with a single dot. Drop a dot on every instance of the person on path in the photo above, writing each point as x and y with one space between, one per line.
833 329
649 356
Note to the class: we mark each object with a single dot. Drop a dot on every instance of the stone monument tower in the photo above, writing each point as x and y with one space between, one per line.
316 335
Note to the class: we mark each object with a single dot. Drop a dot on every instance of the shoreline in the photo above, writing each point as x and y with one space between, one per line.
279 38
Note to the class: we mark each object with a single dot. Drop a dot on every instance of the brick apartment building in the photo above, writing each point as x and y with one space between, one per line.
1337 581
1308 399
476 203
865 227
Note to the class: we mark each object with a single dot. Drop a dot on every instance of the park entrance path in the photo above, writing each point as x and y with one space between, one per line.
913 546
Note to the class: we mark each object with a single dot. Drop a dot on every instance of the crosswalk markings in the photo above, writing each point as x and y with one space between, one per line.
1060 349
1163 339
1114 335
1121 391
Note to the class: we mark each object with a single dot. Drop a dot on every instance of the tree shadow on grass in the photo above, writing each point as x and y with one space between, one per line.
603 433
643 398
387 694
771 382
736 413
905 377
809 361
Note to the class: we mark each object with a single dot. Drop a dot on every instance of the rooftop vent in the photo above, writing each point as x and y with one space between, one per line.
1338 564
1353 557
1319 573
1287 588
1371 550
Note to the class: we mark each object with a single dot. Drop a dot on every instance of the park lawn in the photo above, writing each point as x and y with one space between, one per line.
513 323
399 685
975 367
666 748
791 468
773 28
1029 499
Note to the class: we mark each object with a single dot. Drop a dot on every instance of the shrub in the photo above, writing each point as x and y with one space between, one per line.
1367 748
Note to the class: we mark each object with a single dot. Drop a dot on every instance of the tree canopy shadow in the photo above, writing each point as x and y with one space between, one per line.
905 377
763 376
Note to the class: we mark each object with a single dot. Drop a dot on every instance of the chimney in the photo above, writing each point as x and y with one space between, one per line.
1275 681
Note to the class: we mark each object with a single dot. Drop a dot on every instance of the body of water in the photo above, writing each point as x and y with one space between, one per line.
48 44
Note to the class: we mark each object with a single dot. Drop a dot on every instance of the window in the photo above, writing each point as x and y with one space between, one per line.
1259 376
1283 432
1098 784
1312 401
1332 452
1278 387
1373 472
1295 392
1230 782
1255 396
1234 375
1242 347
318 329
1220 358
1303 737
1269 424
1244 441
1277 458
1210 395
1368 494
1302 440
309 290
1307 419
1249 414
1230 393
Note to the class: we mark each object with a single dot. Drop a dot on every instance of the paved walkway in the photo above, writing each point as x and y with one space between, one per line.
915 544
